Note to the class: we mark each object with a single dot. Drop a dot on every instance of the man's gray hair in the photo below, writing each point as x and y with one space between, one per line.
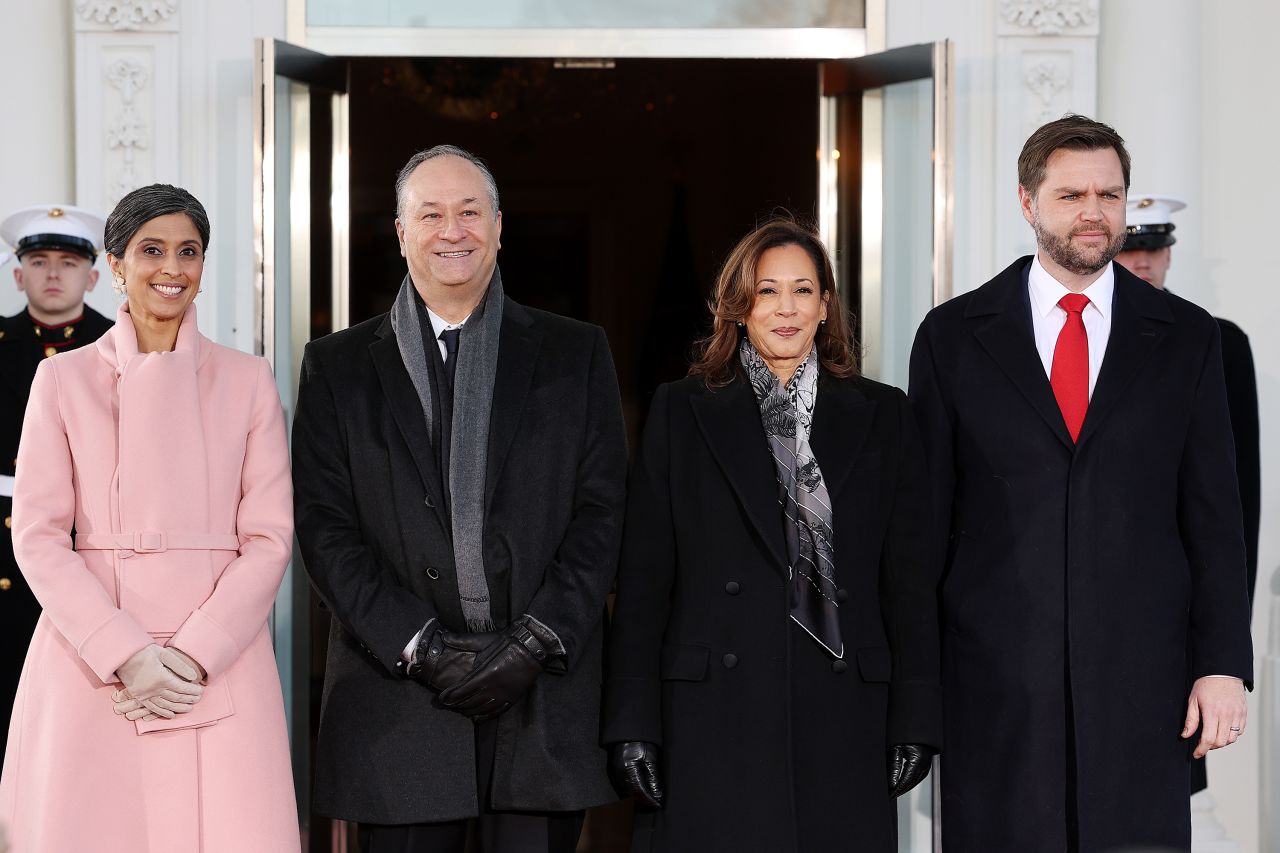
491 186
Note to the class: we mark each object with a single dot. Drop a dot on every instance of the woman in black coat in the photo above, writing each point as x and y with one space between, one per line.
773 668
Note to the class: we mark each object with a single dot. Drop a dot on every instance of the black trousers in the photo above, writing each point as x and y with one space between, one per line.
491 832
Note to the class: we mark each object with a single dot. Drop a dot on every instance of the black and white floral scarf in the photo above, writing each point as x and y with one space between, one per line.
787 414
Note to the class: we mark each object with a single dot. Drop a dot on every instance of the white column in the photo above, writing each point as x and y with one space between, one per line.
126 105
1149 90
1268 724
1046 66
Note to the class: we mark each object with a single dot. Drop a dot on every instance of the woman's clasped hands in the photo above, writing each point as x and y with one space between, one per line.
159 681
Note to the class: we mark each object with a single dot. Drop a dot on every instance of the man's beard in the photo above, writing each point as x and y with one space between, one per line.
1081 260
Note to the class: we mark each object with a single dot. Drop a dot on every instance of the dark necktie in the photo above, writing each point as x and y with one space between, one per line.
450 338
1069 373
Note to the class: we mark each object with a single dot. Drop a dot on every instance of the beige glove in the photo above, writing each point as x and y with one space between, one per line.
129 707
193 665
161 680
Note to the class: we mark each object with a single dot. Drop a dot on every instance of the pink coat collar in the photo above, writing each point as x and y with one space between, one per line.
120 344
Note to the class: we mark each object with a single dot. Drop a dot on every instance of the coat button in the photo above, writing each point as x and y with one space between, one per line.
732 587
8 522
430 503
839 667
5 584
842 595
432 573
729 661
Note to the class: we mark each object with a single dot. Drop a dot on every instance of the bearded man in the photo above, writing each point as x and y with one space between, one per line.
1094 609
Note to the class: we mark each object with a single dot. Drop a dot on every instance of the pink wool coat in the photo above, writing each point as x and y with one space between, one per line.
172 469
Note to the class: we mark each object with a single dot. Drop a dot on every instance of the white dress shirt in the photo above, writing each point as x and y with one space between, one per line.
1047 318
439 324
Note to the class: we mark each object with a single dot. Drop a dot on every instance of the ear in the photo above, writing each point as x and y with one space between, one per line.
114 263
497 227
826 297
17 277
93 280
400 236
1027 202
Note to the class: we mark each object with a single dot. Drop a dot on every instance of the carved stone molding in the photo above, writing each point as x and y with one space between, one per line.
126 14
1047 77
1049 17
128 132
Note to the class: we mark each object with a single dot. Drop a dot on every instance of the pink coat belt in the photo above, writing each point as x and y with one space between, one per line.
157 541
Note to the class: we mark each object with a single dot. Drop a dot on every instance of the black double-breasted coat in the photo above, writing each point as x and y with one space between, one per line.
375 539
21 351
1088 583
767 742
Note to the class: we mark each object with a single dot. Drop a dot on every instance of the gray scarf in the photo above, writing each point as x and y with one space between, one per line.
469 433
787 415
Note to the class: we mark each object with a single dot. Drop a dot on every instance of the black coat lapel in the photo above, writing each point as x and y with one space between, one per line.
518 347
730 422
1140 321
406 409
841 422
1007 337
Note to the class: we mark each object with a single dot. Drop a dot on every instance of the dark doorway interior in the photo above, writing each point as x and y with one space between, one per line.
622 188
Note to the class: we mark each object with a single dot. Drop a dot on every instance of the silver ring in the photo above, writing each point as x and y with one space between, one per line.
1235 729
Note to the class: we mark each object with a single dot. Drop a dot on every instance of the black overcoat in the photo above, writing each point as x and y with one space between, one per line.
1087 584
767 742
1242 401
20 354
376 543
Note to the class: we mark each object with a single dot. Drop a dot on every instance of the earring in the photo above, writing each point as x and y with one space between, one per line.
822 322
741 325
117 285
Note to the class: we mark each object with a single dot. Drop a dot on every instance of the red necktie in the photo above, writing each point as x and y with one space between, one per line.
1069 374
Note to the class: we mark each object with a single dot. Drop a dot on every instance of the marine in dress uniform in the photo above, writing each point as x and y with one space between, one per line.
56 247
1148 253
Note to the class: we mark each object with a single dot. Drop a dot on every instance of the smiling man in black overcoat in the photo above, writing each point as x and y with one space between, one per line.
1094 610
459 468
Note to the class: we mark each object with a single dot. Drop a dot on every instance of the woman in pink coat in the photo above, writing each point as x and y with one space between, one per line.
152 517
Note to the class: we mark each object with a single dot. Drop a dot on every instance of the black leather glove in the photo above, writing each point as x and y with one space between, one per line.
633 769
502 674
443 658
909 763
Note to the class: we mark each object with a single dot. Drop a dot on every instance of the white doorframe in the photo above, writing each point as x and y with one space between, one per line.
650 43
592 43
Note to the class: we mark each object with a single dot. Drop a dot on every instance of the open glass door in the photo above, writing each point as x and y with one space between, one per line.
887 208
301 282
888 202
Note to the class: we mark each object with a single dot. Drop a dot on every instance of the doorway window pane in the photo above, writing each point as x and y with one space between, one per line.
908 222
505 14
